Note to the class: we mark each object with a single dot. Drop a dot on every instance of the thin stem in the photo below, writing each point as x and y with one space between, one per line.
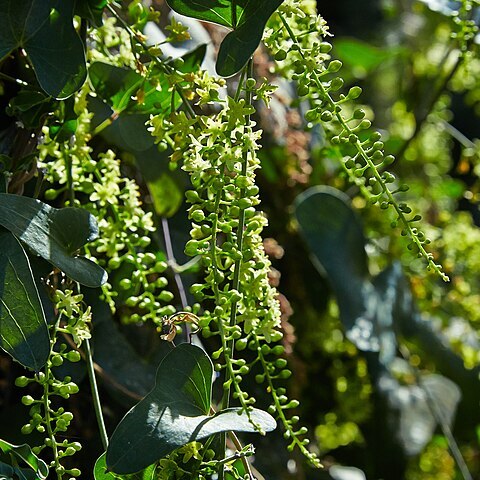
241 217
172 262
457 135
46 402
4 76
97 404
106 123
234 13
292 436
238 446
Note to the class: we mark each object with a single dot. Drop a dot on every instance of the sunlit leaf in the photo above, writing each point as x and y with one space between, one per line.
246 18
100 472
54 234
23 328
175 413
126 90
24 453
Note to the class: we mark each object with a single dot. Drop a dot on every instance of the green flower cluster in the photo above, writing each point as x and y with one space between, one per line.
361 152
74 320
125 229
220 154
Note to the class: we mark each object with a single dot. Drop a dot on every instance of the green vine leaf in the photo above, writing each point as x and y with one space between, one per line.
25 454
125 90
119 86
335 237
54 234
246 18
100 472
175 413
44 29
214 11
23 327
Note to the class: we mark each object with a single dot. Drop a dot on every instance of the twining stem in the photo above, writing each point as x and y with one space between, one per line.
4 76
97 404
368 161
172 263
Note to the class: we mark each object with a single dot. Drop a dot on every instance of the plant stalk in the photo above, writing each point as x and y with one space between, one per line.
97 404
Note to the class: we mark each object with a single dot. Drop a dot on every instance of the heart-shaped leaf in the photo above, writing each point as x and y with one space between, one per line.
25 454
334 236
175 413
44 29
247 19
23 328
240 44
54 234
417 408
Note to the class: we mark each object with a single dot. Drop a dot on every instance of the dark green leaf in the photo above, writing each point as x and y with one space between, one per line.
23 328
25 454
247 22
334 236
92 10
133 376
8 472
44 29
240 44
54 234
193 59
65 127
175 413
127 91
30 107
100 472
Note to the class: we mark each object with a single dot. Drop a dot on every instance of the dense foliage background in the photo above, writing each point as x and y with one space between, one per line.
403 404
